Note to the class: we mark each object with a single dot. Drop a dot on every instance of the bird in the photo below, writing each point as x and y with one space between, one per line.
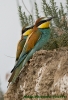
35 41
21 42
35 37
26 31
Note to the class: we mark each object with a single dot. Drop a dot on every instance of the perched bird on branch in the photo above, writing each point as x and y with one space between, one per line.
35 41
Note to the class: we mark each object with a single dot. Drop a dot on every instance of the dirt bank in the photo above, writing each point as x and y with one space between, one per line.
45 75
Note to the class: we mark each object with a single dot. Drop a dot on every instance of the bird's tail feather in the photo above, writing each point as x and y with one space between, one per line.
19 62
15 74
15 71
12 75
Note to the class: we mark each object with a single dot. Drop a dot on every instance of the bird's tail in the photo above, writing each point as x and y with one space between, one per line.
16 70
19 62
15 74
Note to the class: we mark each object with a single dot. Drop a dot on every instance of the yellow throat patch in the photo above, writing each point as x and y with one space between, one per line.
44 25
28 32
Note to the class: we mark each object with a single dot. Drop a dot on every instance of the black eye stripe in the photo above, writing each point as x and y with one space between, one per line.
26 29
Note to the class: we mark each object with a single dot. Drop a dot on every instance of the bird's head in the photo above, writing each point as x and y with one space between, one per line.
44 23
37 23
26 31
40 23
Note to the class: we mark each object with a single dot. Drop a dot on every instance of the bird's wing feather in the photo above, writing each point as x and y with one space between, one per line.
19 62
20 48
30 43
31 40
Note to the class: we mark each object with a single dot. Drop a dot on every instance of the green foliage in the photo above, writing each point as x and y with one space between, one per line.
59 25
30 20
24 19
57 41
21 16
36 9
67 6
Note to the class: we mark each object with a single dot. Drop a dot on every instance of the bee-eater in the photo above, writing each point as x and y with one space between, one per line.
21 42
26 32
35 41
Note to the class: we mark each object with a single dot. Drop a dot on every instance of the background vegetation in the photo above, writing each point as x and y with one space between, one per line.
59 25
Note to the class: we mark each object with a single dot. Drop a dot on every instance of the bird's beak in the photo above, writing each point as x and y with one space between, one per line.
48 18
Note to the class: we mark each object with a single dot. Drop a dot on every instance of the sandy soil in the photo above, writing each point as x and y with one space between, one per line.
45 77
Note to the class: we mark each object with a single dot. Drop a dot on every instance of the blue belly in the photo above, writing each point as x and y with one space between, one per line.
41 42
